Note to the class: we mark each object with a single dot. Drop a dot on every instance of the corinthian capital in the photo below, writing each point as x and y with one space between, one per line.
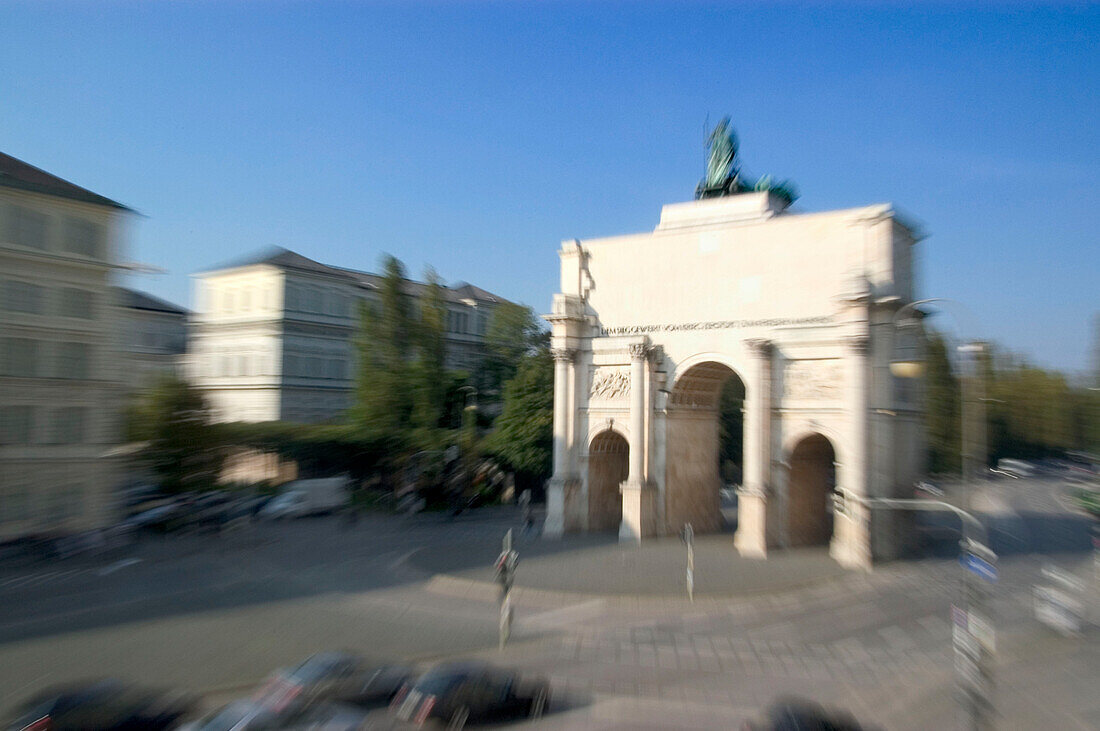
859 344
564 355
638 351
760 347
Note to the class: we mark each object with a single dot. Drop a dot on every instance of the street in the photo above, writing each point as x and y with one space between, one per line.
215 614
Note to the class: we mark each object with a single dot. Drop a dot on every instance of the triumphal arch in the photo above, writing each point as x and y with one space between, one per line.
736 297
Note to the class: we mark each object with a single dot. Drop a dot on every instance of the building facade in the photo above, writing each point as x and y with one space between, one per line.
60 380
154 336
648 329
272 337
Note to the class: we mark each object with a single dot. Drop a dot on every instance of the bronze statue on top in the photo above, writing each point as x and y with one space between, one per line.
723 174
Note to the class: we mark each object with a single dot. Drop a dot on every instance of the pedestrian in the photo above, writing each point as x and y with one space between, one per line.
527 512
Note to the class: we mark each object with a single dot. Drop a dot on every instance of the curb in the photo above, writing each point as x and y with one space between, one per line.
450 585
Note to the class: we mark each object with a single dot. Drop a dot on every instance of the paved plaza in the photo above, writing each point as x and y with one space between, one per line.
611 627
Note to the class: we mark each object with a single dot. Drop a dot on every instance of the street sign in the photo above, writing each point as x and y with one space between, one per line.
981 630
978 565
965 643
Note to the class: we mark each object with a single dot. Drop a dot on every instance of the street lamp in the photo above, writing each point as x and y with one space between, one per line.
968 359
973 635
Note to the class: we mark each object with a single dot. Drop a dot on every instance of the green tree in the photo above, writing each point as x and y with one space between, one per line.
731 430
523 439
429 375
941 407
384 386
182 444
514 332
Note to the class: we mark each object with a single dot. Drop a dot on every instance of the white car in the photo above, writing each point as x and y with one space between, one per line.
291 504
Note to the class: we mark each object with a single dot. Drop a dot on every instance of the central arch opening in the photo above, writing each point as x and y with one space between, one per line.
608 466
812 481
705 445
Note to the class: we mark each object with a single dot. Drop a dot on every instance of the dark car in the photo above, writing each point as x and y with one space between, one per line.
799 714
340 677
101 705
462 692
250 715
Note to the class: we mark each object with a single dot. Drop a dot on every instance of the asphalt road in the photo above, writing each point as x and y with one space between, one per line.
217 613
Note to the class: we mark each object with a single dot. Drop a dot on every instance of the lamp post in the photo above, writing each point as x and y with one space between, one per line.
973 637
971 403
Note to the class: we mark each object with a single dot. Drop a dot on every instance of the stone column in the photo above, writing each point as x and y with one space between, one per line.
851 544
751 539
558 502
639 500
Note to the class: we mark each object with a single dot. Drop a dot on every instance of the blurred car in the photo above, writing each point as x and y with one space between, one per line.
160 518
798 714
100 705
925 489
288 505
340 677
250 715
1015 468
461 692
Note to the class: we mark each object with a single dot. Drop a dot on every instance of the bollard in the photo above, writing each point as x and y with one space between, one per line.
506 574
688 537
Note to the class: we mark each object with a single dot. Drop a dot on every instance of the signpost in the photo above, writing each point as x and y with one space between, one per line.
506 574
688 537
1059 603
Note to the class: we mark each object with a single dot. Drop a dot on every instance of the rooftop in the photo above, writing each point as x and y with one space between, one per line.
286 259
136 300
17 174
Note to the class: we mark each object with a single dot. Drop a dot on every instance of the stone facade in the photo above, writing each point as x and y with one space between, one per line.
154 336
60 374
272 336
648 327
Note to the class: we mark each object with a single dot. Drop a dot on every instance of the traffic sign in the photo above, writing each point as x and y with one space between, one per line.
979 566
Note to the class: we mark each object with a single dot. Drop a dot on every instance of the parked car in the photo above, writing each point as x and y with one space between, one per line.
160 518
927 489
333 677
100 705
250 715
461 692
1015 468
288 505
798 714
308 497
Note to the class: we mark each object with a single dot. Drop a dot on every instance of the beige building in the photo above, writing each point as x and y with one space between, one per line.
154 336
272 336
648 328
60 388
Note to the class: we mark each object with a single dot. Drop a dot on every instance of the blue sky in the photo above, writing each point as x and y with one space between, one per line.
476 136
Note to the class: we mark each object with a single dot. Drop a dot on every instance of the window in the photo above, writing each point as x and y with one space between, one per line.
83 237
27 228
76 303
482 323
16 424
73 361
69 425
246 300
20 357
291 297
227 302
23 297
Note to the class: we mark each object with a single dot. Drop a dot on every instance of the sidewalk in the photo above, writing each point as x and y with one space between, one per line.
599 566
